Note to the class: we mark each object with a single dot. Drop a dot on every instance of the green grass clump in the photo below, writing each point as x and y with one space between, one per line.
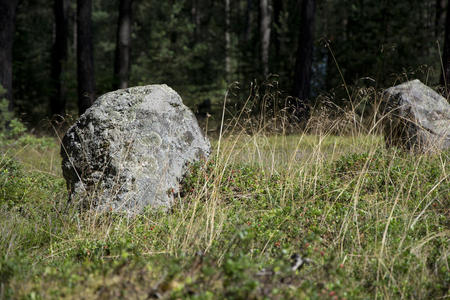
371 223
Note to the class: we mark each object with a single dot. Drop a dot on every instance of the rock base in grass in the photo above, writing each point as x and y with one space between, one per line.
131 150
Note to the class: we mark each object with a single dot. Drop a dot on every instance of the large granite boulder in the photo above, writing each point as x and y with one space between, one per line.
416 118
131 149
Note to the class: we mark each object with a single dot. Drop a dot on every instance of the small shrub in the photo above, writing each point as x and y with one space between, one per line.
10 127
19 187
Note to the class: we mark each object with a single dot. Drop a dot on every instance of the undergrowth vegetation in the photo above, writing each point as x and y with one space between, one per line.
279 216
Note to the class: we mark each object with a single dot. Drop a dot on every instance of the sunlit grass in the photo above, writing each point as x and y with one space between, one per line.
372 222
279 151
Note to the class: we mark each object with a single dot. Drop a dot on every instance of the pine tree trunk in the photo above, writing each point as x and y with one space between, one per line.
302 76
74 33
227 40
265 35
59 57
438 18
445 77
7 26
248 21
195 15
277 8
122 57
85 56
439 13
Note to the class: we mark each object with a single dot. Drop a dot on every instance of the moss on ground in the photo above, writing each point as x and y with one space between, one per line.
371 223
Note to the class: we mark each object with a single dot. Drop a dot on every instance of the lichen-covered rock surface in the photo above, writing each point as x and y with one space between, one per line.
131 150
417 118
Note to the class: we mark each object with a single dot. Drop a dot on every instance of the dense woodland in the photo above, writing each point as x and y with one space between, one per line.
57 56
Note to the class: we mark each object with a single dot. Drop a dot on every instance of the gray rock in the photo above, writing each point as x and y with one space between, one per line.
131 149
417 118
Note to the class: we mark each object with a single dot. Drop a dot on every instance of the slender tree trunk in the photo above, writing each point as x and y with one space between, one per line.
7 27
74 36
277 8
445 76
248 20
265 35
122 58
439 13
195 15
85 56
59 57
227 40
302 76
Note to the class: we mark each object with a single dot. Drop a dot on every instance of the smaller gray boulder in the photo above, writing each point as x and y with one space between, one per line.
131 150
416 118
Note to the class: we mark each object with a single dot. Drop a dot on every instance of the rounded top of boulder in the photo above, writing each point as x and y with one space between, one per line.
417 117
416 92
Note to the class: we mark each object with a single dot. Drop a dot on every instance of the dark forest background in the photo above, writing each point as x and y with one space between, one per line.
201 47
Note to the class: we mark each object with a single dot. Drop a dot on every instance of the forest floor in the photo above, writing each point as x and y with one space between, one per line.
369 222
